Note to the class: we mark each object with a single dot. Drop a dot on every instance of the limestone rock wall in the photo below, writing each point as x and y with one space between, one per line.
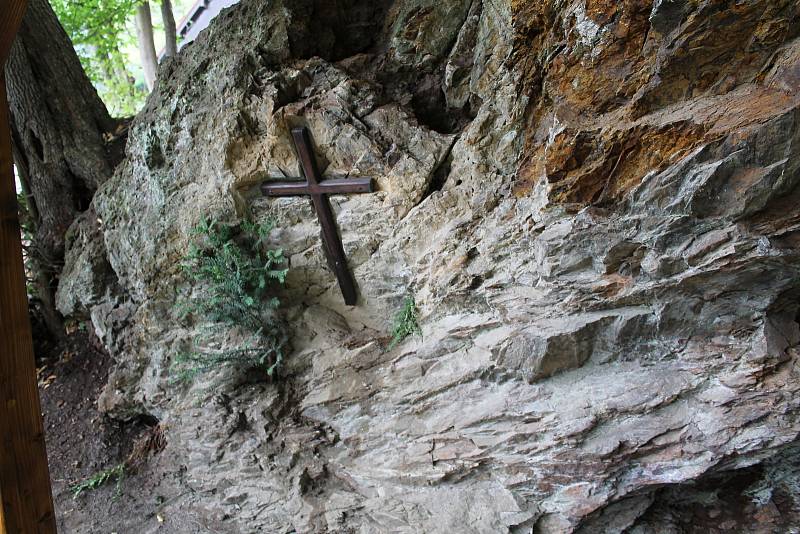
595 205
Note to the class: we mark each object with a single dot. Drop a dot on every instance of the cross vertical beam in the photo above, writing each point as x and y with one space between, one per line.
334 251
26 503
319 189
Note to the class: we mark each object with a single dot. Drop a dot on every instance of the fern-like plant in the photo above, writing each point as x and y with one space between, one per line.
234 271
406 322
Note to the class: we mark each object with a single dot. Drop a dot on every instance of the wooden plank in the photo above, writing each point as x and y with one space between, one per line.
331 186
24 478
26 503
11 12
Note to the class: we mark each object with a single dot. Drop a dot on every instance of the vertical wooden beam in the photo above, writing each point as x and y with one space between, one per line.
27 505
26 502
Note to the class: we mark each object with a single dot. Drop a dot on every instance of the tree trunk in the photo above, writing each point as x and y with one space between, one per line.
58 124
170 31
147 49
43 279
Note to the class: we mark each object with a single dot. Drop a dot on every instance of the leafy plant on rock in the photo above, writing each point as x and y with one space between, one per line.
234 271
406 322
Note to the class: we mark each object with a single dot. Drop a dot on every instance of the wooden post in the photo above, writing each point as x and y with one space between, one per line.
26 502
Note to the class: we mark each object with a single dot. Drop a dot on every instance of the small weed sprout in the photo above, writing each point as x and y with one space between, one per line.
116 473
235 272
405 323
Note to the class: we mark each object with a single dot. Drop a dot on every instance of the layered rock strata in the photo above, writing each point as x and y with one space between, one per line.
595 206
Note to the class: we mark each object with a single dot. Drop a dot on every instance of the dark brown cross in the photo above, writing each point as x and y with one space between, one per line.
319 189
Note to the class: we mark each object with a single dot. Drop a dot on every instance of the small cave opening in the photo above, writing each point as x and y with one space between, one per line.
37 145
430 108
475 283
336 30
82 195
439 177
760 498
147 420
797 316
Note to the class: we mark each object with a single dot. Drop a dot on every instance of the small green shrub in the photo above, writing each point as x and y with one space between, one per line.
405 323
235 272
116 473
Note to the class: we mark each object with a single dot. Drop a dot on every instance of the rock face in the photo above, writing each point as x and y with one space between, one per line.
596 207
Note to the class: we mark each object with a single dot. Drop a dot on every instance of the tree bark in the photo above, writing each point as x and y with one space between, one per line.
147 48
58 125
170 30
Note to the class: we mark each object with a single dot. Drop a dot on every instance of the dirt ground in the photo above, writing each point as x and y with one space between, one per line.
81 442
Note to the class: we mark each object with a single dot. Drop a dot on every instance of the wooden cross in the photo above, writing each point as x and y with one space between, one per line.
319 189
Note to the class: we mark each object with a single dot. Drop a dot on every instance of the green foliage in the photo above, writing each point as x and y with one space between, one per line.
99 32
116 473
28 232
235 272
405 322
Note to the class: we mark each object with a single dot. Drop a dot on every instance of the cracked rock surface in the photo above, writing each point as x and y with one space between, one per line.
596 205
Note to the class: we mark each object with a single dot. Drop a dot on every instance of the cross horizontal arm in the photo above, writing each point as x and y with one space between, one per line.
332 186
